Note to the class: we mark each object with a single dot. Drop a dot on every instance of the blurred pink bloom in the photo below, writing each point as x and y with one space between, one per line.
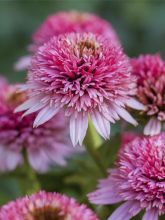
45 145
87 75
46 206
72 21
150 72
138 180
67 22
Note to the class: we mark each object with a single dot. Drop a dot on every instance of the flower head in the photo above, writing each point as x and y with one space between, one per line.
64 23
46 206
138 180
68 22
150 72
86 75
45 145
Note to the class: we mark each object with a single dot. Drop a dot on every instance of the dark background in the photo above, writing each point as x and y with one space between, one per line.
140 25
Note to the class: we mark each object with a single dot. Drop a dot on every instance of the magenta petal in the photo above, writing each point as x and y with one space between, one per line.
45 115
153 127
78 128
151 214
122 213
101 124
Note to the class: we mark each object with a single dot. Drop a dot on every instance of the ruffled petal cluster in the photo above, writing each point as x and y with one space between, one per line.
150 73
138 180
67 22
46 206
45 145
71 21
85 74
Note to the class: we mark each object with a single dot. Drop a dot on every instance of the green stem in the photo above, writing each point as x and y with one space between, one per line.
29 183
92 142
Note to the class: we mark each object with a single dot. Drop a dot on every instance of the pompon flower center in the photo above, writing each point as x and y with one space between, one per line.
14 98
46 213
87 46
152 94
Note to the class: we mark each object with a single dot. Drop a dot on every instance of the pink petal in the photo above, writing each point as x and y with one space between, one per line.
153 127
45 115
34 108
104 196
26 105
101 124
151 214
22 63
133 103
125 115
9 159
122 213
78 128
38 160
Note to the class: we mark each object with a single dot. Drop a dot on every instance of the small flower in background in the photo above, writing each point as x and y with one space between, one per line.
45 145
67 22
46 206
87 75
150 72
138 180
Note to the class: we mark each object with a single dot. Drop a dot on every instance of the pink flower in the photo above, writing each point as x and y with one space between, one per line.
67 22
150 72
46 206
85 74
138 180
45 145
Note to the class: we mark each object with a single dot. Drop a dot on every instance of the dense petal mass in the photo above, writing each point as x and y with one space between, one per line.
46 206
46 145
150 73
85 74
68 22
138 180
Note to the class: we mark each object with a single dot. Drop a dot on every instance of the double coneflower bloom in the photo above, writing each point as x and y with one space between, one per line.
138 181
47 145
46 206
86 75
79 72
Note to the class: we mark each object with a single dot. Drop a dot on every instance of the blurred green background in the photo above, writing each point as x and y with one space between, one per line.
140 25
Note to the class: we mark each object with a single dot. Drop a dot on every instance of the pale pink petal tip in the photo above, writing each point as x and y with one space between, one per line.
78 128
45 115
151 214
133 103
23 63
122 212
101 124
153 127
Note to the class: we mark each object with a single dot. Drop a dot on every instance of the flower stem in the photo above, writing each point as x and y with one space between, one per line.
92 142
29 182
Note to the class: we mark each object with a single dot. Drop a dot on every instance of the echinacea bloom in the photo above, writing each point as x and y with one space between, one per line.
64 23
46 206
46 145
85 74
138 180
150 73
71 21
